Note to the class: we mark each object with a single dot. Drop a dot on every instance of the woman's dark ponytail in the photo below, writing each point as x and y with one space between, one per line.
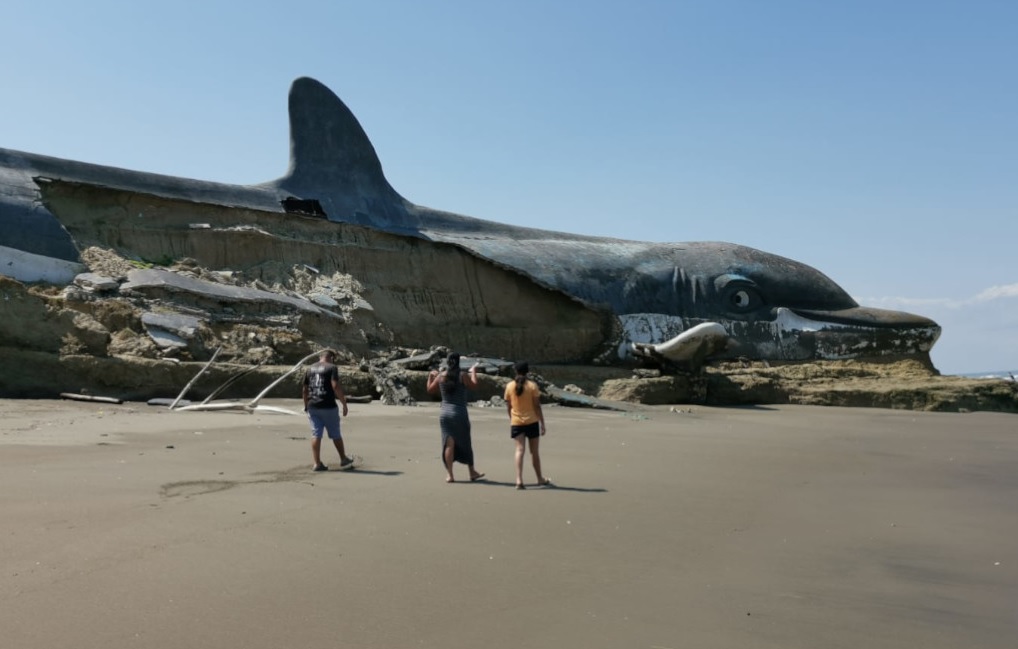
452 368
522 369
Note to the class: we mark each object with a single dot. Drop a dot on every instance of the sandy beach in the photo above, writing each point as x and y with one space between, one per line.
133 526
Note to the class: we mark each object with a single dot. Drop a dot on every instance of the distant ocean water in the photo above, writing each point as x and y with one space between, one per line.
1002 374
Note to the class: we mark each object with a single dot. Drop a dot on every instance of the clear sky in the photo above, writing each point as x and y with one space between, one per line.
876 141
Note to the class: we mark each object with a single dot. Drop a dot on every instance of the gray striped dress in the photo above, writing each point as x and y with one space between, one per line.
454 420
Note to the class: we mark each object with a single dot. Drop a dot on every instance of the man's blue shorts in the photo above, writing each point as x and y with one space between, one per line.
324 419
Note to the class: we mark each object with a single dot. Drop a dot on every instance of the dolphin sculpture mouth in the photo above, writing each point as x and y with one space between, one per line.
842 334
769 306
796 335
861 316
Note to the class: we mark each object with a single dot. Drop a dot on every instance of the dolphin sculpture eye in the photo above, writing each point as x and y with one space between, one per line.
740 294
740 299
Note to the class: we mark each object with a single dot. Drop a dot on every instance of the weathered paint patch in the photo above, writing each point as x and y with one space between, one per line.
28 267
647 328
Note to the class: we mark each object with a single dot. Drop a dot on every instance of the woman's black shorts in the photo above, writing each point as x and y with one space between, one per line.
530 430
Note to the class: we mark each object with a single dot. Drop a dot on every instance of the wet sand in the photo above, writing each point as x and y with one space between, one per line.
132 526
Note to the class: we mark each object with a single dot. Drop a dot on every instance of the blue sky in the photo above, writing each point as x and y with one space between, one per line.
875 141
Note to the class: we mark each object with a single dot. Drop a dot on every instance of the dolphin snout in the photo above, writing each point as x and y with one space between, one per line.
869 317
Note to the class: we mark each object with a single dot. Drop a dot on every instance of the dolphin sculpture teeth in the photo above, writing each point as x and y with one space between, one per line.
672 300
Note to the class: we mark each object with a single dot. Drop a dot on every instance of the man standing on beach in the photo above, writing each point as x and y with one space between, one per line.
321 392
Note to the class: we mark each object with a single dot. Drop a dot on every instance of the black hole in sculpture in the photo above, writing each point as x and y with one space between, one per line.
305 206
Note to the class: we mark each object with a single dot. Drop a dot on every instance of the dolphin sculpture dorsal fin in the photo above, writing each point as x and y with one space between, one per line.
328 147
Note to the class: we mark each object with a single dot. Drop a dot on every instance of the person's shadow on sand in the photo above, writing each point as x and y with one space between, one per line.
363 471
554 486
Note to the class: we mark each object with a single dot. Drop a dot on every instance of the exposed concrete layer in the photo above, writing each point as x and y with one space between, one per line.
424 293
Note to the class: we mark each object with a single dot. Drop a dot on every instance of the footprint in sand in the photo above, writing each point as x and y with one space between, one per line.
195 488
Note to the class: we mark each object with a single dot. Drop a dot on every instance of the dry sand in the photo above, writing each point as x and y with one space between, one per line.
132 526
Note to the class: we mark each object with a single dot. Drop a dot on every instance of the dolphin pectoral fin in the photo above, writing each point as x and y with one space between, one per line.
698 342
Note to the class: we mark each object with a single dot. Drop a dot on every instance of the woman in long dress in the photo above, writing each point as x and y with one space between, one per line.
453 383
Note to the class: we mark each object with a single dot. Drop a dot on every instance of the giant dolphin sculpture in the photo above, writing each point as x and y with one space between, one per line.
676 300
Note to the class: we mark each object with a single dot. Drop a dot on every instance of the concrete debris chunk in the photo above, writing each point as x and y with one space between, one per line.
95 282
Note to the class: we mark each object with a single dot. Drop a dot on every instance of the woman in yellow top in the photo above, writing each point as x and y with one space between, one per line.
526 420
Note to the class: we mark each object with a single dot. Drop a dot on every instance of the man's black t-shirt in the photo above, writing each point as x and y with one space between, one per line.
318 380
